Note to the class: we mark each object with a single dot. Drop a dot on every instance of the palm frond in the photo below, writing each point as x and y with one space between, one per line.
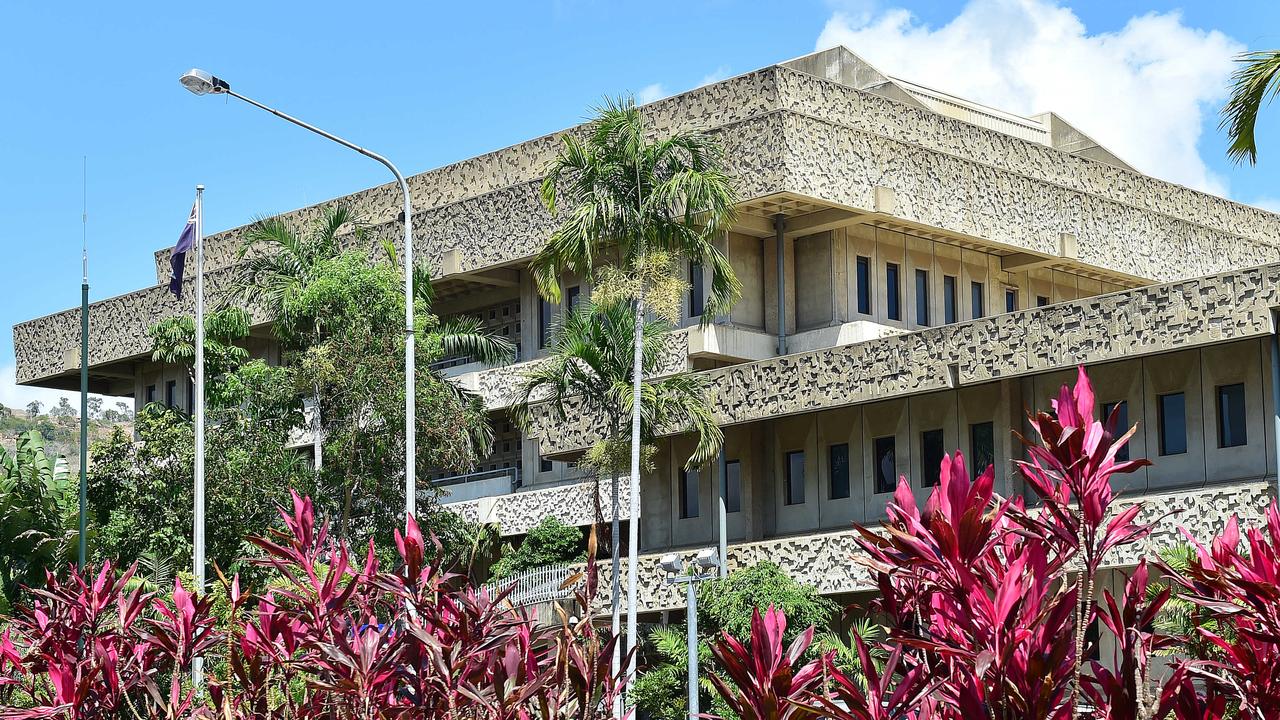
1256 81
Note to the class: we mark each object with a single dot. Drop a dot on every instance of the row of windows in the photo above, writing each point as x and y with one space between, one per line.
1171 419
884 456
171 394
893 293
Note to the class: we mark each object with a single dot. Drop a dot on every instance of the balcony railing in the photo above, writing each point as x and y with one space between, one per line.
537 585
482 483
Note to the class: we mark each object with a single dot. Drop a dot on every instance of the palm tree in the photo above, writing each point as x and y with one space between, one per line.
633 205
590 358
39 516
1257 79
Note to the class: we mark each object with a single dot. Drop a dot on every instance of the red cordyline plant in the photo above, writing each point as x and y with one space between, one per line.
1240 589
343 639
88 649
983 595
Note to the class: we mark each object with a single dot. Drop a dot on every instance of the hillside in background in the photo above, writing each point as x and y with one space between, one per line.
60 425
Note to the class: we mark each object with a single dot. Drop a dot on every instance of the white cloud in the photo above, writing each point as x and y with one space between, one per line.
1143 91
16 397
649 93
1270 204
715 76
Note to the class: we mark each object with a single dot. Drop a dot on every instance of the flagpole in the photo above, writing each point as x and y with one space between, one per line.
197 667
82 556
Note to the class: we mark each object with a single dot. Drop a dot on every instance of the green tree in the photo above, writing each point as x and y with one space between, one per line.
63 410
95 406
33 408
550 542
39 516
634 207
591 358
173 340
1257 80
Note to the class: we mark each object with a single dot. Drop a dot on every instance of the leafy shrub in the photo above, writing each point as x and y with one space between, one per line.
550 542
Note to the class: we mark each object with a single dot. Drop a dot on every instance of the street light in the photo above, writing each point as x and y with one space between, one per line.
204 83
705 566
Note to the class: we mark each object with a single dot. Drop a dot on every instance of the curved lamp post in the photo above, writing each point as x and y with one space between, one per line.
203 83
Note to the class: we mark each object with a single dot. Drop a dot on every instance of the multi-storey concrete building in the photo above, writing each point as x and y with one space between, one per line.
917 269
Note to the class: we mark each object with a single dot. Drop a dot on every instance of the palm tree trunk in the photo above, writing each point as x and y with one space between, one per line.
615 579
633 525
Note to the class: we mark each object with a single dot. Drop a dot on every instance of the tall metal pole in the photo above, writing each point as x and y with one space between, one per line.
82 556
691 639
722 514
410 416
197 560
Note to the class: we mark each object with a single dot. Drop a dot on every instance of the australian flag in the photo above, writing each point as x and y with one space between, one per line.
178 259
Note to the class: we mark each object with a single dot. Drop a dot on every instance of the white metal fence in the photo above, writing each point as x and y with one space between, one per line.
536 585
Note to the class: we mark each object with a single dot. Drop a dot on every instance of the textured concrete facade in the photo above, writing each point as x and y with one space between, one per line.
1147 320
784 132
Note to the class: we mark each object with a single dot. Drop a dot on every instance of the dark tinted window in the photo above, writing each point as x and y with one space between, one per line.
171 393
948 299
697 299
864 285
932 450
544 322
1041 301
571 297
151 393
733 486
885 463
795 477
922 297
1231 421
982 447
839 456
977 299
544 465
688 493
1121 409
892 291
1010 300
1173 423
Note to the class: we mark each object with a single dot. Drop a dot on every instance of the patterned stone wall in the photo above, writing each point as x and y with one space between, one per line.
783 131
1152 319
519 512
825 560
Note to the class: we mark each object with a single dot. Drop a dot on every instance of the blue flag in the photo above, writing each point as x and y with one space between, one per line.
178 259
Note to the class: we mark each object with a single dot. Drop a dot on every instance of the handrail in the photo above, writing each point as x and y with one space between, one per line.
548 583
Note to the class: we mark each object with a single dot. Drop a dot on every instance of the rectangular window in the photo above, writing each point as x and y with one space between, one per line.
733 486
151 394
976 299
982 447
697 298
886 463
1010 300
891 290
948 299
571 296
1041 301
171 393
688 494
795 477
544 322
1172 411
1121 409
839 456
544 465
922 297
191 396
1231 421
864 285
932 450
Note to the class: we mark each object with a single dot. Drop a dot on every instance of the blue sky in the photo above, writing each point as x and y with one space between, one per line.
431 83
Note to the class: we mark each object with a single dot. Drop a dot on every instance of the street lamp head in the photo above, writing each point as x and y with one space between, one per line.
707 559
202 83
672 564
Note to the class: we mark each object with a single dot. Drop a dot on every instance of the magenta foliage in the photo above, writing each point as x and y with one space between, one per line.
762 682
413 642
1240 588
99 650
